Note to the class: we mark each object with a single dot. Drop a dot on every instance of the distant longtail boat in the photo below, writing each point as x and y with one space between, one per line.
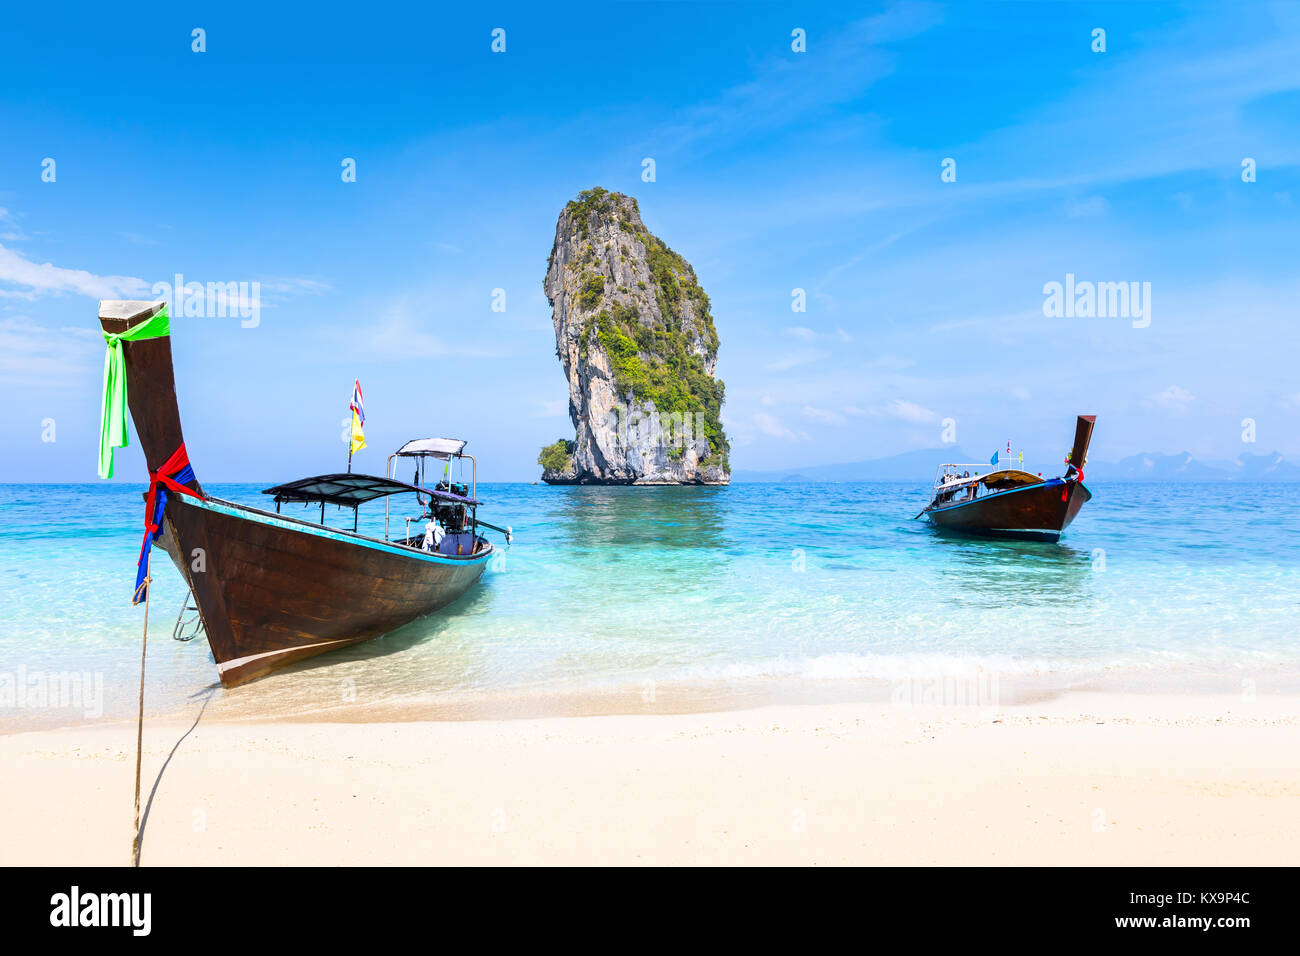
1008 502
272 589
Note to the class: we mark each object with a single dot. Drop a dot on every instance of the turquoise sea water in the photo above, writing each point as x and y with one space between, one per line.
608 589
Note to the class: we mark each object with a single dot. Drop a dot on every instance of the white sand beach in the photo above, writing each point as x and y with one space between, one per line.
1083 778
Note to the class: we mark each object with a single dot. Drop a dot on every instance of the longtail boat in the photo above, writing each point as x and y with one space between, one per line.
994 500
269 588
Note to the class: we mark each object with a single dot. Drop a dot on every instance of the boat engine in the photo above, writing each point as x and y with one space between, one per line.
450 514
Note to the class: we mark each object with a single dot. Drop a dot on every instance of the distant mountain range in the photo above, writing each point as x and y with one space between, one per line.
1183 467
919 466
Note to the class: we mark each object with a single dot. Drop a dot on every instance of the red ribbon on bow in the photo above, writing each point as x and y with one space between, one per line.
1065 496
174 468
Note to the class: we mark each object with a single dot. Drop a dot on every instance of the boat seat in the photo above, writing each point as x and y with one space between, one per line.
460 539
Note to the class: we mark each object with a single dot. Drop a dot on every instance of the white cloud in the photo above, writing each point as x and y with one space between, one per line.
136 239
772 426
35 357
738 432
870 250
825 416
12 232
398 334
911 412
806 334
797 358
783 92
36 279
294 285
1175 399
892 363
1086 207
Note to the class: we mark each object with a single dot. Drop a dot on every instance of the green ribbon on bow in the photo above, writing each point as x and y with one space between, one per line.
112 425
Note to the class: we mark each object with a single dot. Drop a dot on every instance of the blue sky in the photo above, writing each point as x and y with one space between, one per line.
775 170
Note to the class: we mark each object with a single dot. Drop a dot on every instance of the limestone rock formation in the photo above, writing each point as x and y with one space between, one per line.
637 342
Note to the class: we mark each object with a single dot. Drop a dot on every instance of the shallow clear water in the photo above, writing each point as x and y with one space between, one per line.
614 587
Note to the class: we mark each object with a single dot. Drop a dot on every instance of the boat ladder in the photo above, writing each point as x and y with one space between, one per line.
188 628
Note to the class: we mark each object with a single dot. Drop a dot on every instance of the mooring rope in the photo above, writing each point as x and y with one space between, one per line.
139 721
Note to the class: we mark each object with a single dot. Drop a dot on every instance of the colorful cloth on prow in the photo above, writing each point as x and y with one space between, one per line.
112 410
358 419
175 473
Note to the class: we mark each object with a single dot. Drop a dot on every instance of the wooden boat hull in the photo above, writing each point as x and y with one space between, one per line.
271 589
271 593
1036 512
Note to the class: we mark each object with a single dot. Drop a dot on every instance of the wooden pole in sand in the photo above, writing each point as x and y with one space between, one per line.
139 721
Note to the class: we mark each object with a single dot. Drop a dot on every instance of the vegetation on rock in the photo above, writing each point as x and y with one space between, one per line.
656 366
595 201
593 288
557 457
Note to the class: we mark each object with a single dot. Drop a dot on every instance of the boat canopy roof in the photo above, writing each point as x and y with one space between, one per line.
351 490
432 447
996 476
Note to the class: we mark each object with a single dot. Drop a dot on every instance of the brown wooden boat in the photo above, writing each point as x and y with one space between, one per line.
271 589
1009 502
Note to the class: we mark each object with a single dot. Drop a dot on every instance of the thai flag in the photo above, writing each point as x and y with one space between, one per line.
356 405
